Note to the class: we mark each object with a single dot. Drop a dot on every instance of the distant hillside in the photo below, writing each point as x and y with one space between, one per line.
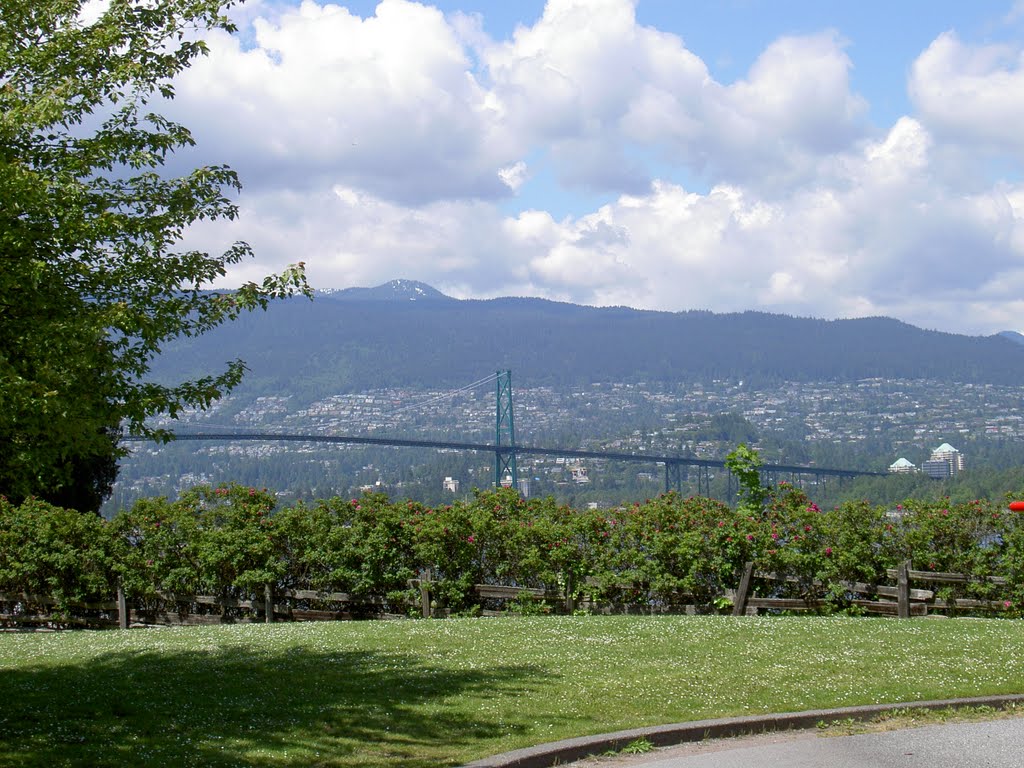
1013 336
369 338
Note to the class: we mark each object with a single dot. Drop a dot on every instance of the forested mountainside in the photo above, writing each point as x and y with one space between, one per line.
353 341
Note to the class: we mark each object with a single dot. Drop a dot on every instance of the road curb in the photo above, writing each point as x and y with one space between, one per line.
567 750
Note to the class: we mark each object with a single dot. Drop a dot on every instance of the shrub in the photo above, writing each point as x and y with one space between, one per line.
960 538
362 546
54 552
157 549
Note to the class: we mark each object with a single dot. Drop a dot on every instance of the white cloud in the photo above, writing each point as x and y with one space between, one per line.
92 10
877 236
399 145
972 93
513 175
387 104
590 82
416 107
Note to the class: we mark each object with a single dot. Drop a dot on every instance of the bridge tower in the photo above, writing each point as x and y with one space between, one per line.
505 434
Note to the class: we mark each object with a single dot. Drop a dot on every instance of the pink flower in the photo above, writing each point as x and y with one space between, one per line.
828 551
1007 604
471 538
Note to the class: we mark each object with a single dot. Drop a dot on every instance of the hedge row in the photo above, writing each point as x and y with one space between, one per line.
232 540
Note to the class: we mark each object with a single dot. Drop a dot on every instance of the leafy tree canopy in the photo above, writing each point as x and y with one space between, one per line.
95 277
745 464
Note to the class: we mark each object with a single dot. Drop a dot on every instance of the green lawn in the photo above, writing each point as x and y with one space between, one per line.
425 693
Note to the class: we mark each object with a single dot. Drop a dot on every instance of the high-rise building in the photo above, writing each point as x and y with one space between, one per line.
951 456
936 468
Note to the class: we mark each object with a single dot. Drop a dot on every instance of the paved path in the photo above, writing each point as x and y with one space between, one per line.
791 740
990 744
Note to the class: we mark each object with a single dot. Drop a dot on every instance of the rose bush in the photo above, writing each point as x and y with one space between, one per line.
231 541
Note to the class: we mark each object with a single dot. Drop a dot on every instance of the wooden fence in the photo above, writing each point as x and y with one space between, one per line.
173 609
900 600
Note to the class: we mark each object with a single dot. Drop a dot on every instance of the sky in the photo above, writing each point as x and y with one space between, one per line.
817 159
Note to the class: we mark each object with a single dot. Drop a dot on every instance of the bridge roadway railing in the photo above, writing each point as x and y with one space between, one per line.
672 463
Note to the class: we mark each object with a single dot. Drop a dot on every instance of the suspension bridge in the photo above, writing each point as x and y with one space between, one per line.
505 449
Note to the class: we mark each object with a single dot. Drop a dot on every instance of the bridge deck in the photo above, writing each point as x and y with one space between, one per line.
519 449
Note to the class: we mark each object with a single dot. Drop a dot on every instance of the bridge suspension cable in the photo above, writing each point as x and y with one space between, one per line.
445 395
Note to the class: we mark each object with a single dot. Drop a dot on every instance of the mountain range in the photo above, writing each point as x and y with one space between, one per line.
408 334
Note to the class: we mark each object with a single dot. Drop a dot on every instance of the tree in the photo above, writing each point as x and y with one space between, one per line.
745 465
95 277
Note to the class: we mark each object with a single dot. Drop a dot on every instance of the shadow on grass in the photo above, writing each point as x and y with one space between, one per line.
299 706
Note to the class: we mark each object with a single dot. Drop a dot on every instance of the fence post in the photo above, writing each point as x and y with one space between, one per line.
739 606
122 607
570 596
425 593
903 590
268 603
